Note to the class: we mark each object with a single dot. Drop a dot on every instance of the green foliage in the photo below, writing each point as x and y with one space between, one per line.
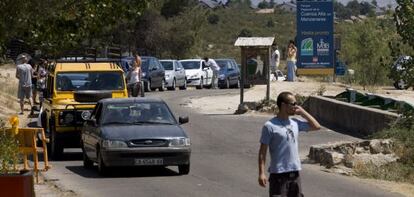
404 19
173 8
54 26
9 151
365 53
213 19
245 33
402 131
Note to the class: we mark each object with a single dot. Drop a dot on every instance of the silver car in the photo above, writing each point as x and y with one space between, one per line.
174 74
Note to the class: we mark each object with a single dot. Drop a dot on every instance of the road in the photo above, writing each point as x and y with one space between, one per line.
223 162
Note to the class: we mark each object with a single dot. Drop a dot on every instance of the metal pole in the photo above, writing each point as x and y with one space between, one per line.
243 74
268 73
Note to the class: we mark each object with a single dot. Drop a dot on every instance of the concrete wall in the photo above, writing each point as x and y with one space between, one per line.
348 117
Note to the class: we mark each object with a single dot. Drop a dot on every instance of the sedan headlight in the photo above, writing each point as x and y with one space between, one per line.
222 76
194 76
144 74
179 142
167 76
114 144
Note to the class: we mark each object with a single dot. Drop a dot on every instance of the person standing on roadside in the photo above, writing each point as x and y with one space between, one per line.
291 61
274 64
24 72
216 68
134 78
280 135
41 80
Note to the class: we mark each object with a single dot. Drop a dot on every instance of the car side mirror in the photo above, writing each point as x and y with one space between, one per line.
183 120
91 122
230 69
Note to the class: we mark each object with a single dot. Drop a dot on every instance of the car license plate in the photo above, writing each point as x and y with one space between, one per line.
148 162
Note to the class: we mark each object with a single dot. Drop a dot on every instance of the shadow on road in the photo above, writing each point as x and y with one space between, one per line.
124 172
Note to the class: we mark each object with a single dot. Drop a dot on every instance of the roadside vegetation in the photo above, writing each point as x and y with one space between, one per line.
402 132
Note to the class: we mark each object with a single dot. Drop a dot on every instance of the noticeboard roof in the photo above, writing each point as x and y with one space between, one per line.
254 41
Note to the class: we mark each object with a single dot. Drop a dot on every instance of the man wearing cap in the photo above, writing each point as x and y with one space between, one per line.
24 73
280 136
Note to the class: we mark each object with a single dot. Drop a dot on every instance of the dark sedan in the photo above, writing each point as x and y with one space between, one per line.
153 74
229 74
135 132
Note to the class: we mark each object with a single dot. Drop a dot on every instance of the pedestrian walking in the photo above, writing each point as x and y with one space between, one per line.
34 80
24 73
291 61
280 135
216 68
134 78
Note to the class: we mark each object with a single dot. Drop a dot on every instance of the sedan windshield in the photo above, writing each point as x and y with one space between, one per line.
224 64
191 64
72 81
137 113
168 65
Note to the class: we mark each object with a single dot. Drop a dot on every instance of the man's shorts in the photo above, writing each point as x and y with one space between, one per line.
285 185
24 92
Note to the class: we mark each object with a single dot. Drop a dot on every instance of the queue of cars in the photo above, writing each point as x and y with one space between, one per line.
86 106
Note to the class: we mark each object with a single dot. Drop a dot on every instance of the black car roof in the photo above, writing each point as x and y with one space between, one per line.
131 100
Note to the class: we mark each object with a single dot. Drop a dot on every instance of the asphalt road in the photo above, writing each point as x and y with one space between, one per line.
223 162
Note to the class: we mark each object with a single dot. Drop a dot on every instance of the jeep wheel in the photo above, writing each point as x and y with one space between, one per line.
400 85
56 148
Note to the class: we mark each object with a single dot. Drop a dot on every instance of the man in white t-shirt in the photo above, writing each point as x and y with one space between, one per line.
274 64
216 68
24 73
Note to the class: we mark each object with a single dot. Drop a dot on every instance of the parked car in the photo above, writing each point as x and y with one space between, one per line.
197 72
153 74
229 75
174 74
397 71
135 132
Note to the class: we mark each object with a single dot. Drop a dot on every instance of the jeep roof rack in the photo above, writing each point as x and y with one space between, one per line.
113 54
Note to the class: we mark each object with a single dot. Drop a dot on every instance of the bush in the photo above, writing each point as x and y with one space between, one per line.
402 131
9 151
213 19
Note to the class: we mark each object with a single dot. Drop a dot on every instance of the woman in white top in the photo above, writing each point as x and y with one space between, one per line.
134 78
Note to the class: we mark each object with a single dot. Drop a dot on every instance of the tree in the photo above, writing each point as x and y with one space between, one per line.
56 26
263 5
174 7
404 15
213 19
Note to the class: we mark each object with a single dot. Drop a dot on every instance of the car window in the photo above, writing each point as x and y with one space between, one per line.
138 113
191 64
72 81
168 65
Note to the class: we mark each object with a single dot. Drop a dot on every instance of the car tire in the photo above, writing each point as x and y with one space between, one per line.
56 148
201 84
237 84
173 86
184 87
87 163
162 87
184 169
148 86
400 85
227 84
102 168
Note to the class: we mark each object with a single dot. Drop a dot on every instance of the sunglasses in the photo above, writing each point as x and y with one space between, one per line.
292 104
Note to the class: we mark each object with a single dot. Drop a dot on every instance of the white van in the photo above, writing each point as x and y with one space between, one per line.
197 72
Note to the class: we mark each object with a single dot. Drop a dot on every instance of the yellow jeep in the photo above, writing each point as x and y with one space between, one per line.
73 88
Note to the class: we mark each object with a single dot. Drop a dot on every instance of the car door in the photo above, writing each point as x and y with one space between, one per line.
89 143
160 71
236 72
179 72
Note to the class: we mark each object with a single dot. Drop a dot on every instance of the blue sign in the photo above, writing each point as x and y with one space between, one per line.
315 37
